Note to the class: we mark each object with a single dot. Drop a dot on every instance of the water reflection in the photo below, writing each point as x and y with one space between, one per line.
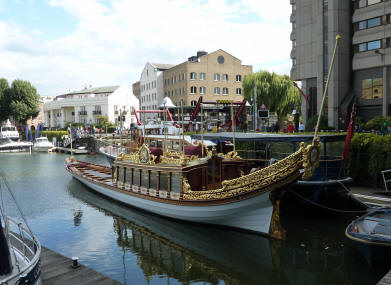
315 252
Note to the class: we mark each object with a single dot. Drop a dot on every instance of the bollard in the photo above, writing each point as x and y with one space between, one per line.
75 263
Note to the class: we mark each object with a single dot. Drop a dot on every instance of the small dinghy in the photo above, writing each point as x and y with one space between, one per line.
371 234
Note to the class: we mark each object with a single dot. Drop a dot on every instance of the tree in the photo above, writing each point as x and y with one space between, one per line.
23 100
103 121
4 100
276 91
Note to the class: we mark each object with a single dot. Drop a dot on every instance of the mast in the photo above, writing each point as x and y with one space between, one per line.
164 128
144 128
337 38
70 131
233 126
202 129
183 130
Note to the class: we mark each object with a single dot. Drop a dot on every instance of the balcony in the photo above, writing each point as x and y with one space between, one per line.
97 112
83 113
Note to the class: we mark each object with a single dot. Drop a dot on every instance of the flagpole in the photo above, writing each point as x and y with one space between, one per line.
337 38
70 126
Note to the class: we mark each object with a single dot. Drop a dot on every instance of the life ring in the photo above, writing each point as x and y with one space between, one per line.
140 140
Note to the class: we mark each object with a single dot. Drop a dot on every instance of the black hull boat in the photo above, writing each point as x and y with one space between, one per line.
371 235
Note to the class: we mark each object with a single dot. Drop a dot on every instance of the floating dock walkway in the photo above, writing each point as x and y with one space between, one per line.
68 150
57 270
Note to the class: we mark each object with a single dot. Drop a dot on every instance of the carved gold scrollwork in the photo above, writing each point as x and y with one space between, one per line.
311 157
231 155
268 178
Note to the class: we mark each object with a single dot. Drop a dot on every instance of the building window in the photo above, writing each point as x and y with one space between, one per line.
216 77
225 77
217 90
367 24
365 3
225 91
193 103
372 88
202 90
202 76
193 76
293 61
373 45
389 19
238 78
388 42
193 90
238 91
294 7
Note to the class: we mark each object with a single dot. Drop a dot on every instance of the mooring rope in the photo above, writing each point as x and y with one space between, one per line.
325 207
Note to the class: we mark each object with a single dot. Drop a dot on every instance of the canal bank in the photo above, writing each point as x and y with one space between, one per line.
134 247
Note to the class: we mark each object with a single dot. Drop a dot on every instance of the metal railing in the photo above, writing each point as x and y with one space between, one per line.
385 180
24 244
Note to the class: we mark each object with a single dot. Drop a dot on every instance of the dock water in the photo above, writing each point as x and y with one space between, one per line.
57 270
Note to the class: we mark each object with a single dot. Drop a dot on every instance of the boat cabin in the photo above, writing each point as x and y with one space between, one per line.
165 178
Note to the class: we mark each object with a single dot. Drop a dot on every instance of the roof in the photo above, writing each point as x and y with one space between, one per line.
96 90
162 65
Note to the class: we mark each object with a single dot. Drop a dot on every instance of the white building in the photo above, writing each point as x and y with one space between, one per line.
85 106
151 87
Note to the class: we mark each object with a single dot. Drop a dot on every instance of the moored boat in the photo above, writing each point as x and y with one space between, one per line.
42 144
20 250
371 234
199 185
8 131
8 145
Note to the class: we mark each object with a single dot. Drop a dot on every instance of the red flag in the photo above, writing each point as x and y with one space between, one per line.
349 132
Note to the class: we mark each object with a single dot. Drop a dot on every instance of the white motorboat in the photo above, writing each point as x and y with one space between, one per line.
42 144
8 145
20 252
8 131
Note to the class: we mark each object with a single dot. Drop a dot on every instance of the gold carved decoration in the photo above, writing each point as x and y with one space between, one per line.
142 155
231 155
311 158
276 175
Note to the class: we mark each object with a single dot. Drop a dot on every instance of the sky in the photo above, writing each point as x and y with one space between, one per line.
63 45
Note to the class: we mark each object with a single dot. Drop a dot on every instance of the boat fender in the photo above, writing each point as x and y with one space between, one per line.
140 141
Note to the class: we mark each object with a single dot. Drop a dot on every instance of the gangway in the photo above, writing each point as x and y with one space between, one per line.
236 117
217 102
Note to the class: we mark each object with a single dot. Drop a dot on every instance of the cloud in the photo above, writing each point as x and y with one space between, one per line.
111 43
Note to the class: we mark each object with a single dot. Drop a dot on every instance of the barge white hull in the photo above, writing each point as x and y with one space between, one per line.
253 214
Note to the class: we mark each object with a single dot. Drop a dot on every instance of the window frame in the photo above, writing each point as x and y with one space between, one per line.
202 89
216 75
202 76
193 76
216 89
225 89
193 89
238 76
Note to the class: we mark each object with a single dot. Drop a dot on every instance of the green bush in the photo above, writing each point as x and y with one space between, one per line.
311 123
369 154
110 130
376 123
